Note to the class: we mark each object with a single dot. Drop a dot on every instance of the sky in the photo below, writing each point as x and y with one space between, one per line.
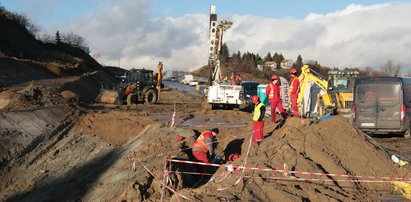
140 33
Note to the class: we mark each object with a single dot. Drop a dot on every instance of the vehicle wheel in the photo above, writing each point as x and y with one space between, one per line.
150 96
131 99
407 133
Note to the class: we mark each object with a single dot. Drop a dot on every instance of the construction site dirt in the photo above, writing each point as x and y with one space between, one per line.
64 147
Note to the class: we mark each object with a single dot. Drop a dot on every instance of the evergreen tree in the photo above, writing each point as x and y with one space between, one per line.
278 58
259 60
268 57
299 62
281 57
58 37
236 56
224 54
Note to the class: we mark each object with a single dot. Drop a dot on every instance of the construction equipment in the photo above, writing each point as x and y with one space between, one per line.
220 93
140 86
159 79
320 97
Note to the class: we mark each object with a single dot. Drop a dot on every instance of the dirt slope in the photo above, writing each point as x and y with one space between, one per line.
331 146
23 58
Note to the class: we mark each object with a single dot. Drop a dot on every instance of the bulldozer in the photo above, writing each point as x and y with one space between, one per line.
319 97
140 86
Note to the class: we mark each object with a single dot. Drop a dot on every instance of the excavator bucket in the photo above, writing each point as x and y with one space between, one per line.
107 96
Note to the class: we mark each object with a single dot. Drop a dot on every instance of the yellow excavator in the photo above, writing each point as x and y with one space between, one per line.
320 97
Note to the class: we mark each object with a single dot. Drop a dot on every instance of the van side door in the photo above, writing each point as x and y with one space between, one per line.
389 102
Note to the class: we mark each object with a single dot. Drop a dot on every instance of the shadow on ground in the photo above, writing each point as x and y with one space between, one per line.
74 185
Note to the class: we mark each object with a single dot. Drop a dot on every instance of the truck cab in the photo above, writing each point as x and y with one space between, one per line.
341 85
139 87
382 105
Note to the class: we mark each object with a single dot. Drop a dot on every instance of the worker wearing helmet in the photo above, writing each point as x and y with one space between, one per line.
258 120
203 146
293 91
274 98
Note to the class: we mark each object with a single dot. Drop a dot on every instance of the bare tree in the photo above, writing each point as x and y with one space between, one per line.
391 68
73 39
26 22
46 38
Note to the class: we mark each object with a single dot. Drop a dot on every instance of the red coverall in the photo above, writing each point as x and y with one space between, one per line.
258 122
294 90
273 94
201 147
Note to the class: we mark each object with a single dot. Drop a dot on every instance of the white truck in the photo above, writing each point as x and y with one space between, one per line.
187 78
226 96
219 93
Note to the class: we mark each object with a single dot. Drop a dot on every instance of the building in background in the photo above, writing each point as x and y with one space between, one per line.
286 64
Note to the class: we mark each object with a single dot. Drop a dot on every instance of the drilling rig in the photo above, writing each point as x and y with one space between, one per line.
220 93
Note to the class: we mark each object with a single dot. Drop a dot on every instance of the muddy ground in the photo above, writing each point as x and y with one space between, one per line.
70 149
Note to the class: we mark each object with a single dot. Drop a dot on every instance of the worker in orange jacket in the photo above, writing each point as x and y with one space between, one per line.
293 91
274 98
203 146
258 120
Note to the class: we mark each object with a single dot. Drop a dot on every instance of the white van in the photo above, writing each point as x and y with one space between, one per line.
187 78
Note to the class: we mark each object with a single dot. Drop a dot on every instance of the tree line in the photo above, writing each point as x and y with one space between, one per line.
25 22
248 62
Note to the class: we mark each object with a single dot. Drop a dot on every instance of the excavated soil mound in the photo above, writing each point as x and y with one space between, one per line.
114 127
332 146
29 98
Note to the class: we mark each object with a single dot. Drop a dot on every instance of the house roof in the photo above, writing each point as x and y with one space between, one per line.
269 63
285 60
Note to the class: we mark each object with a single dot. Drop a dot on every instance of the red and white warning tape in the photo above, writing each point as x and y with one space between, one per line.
245 159
174 116
294 178
289 171
325 180
180 150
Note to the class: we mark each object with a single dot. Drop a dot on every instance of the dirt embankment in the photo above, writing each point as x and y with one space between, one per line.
23 58
332 146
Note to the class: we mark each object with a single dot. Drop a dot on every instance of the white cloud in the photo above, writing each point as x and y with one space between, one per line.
129 32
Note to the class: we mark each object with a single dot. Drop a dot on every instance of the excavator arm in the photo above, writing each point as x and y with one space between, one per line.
159 78
307 75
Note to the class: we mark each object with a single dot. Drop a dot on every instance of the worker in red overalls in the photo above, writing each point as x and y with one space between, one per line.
293 91
203 147
258 120
274 98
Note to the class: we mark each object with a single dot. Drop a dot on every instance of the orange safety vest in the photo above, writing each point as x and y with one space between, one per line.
271 94
290 89
200 143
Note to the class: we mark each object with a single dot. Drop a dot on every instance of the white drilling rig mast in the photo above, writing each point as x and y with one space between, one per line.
216 38
220 93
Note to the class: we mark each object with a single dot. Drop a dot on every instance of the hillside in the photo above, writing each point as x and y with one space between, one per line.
23 58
